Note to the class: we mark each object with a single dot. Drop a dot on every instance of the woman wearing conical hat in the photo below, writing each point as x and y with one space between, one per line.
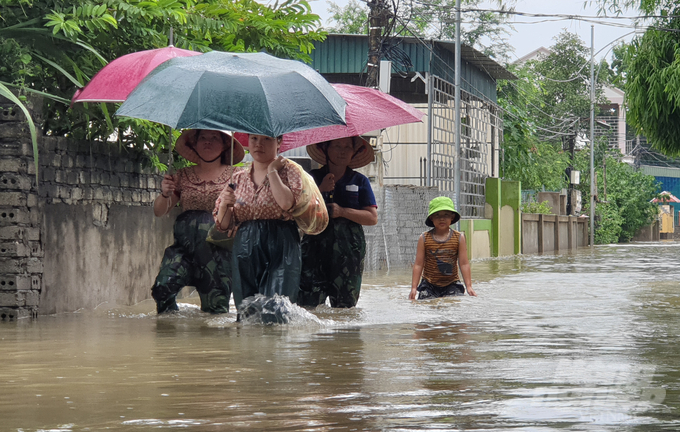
191 261
333 261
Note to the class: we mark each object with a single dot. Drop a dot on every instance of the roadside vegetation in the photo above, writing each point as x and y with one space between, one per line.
549 106
53 47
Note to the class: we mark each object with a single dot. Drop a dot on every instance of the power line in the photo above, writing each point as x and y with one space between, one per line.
561 128
542 15
565 17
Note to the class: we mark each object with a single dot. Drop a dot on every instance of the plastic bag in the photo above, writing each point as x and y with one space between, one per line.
310 211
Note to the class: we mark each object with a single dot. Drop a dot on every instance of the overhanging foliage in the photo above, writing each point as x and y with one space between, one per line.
53 47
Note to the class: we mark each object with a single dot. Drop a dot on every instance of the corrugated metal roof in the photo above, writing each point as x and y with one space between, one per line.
345 53
660 171
340 54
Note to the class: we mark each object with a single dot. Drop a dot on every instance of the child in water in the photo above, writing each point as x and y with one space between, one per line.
440 251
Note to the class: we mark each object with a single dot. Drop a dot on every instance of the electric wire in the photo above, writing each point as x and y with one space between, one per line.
562 128
558 130
555 133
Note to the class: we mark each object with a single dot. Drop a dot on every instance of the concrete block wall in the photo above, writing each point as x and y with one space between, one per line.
21 254
402 210
650 232
96 176
84 172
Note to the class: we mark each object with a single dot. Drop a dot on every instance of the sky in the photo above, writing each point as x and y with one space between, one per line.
530 34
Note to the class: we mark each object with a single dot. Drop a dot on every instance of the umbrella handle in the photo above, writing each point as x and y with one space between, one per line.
232 151
169 204
171 159
233 187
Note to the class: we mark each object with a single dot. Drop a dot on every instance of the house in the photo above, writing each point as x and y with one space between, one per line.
423 154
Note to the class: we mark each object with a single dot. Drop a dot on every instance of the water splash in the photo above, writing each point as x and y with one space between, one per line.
260 309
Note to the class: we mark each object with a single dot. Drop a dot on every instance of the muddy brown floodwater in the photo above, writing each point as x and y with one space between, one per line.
587 341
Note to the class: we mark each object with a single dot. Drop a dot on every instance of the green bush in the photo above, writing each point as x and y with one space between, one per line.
608 222
534 207
626 206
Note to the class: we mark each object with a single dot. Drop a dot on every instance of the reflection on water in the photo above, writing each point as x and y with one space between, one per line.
583 342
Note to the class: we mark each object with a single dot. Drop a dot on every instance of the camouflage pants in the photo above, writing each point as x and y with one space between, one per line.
332 265
191 261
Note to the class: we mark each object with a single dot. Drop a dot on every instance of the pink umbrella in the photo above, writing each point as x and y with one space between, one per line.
115 81
367 110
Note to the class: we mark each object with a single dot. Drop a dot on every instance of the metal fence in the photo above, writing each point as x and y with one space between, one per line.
481 131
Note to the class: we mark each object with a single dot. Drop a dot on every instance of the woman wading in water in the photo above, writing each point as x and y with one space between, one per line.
266 250
333 261
191 261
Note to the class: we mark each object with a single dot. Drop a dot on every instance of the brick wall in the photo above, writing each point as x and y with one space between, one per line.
20 250
97 175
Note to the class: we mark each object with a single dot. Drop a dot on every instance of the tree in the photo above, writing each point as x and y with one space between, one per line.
548 104
488 30
653 73
350 19
615 73
565 82
626 206
484 29
537 163
542 109
617 7
52 47
653 86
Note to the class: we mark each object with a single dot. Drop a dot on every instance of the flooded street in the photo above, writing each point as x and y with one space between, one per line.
587 341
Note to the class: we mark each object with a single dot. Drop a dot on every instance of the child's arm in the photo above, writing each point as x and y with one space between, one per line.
464 265
417 268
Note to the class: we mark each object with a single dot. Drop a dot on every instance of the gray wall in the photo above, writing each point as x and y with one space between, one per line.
98 254
648 233
402 210
86 235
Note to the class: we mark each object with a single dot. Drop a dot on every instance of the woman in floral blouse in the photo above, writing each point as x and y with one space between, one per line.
266 252
191 261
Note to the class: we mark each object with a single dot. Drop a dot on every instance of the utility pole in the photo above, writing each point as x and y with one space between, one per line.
592 136
569 145
456 65
377 18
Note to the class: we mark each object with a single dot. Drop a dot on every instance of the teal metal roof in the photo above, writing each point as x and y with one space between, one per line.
658 171
348 54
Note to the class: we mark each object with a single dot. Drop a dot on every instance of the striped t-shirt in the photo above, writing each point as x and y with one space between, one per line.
441 259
